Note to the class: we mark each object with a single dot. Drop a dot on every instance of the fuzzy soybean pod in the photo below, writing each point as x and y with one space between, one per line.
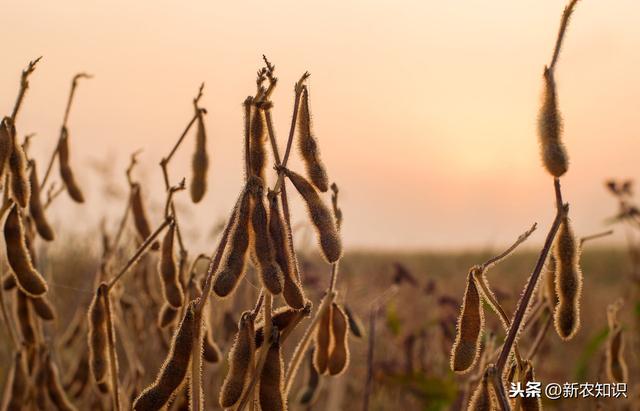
272 396
483 398
308 146
175 367
465 350
270 272
233 265
54 387
291 288
8 282
16 385
257 150
6 145
532 403
25 319
199 162
339 356
281 318
19 181
355 324
615 364
98 333
308 395
35 206
210 350
240 360
166 315
321 217
66 174
554 154
168 270
323 341
568 282
139 212
43 308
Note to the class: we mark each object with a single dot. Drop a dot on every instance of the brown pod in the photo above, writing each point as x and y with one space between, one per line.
6 145
210 350
25 319
280 318
8 282
308 396
29 280
291 288
16 385
140 219
464 353
98 333
355 323
65 169
19 181
234 260
43 308
616 366
323 341
308 146
35 207
568 282
554 154
270 272
167 315
321 217
175 367
483 398
271 394
339 355
257 151
531 403
199 162
79 380
168 270
54 387
240 361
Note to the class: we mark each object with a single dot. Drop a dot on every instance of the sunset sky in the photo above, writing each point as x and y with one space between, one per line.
425 110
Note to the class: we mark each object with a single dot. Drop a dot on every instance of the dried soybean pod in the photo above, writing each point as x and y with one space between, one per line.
568 282
6 145
98 355
271 394
16 385
19 181
29 280
240 360
466 347
323 341
270 272
166 315
257 151
54 387
175 367
210 350
65 169
554 154
320 216
309 394
43 308
168 270
8 282
616 366
281 318
355 324
308 146
199 162
233 265
532 403
25 319
483 397
139 212
35 206
339 356
291 288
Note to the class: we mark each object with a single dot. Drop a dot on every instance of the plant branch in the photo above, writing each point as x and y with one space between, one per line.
24 85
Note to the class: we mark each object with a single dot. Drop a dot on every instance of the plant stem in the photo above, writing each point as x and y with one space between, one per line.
24 85
113 358
540 336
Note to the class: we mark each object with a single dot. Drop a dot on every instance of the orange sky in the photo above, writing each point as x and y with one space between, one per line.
425 110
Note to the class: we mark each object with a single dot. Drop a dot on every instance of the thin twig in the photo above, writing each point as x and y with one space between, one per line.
113 359
595 236
540 336
24 85
521 239
564 22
